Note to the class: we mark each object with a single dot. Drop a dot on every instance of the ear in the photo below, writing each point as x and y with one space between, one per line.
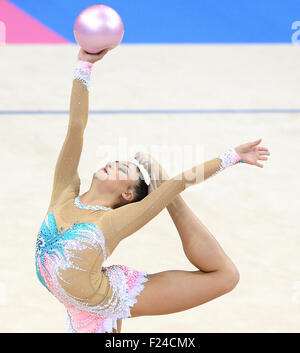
128 195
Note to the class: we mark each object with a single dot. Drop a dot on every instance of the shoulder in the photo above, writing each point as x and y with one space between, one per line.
69 193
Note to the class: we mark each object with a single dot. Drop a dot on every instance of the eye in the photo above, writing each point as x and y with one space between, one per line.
123 170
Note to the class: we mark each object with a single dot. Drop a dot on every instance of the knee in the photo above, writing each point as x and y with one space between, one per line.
231 278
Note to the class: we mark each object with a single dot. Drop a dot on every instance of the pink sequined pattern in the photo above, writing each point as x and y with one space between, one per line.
229 158
54 252
127 284
84 66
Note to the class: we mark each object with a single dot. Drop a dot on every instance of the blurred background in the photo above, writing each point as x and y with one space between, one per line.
155 21
189 80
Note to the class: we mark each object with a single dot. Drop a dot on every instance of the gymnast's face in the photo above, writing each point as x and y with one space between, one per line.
119 178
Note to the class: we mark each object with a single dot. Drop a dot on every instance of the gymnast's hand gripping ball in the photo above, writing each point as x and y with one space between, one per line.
98 27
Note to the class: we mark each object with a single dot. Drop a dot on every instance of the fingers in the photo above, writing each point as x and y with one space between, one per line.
264 152
103 52
262 157
259 165
263 149
257 142
92 58
100 52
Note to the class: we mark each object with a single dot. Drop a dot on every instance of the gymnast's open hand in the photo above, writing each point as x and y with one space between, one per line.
251 152
91 58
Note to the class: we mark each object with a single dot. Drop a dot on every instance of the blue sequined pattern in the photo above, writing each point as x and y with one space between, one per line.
54 252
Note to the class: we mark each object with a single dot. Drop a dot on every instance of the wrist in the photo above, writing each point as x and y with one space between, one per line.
229 158
84 66
83 72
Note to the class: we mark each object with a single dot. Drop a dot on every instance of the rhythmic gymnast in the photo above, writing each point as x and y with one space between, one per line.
79 232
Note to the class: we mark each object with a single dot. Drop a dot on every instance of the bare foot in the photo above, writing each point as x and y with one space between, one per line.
157 173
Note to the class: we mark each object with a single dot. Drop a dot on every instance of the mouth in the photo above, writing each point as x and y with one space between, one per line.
104 170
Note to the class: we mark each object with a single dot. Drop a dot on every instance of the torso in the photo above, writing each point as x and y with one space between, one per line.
67 231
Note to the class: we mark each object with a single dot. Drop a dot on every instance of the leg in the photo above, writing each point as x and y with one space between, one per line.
173 291
119 325
199 245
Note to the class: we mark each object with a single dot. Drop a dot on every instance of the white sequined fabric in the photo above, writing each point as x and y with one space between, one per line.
54 253
83 77
83 72
78 204
127 285
228 159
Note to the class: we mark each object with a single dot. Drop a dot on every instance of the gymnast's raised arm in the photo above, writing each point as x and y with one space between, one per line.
66 170
128 219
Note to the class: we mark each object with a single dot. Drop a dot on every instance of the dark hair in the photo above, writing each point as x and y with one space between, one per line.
140 189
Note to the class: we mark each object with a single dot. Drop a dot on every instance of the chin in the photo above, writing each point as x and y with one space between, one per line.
100 174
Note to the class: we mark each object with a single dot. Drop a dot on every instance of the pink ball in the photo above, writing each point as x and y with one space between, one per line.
98 27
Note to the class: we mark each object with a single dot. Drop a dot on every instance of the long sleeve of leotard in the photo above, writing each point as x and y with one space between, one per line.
66 170
129 218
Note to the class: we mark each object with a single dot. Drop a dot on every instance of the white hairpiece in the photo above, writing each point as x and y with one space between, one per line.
142 169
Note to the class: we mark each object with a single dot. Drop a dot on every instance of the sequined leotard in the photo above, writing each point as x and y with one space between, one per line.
73 242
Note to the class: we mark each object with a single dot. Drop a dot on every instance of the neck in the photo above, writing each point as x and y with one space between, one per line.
92 198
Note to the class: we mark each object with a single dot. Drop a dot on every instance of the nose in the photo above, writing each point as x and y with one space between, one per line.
108 165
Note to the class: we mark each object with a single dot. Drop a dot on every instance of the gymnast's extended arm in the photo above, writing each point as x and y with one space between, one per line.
127 219
66 170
